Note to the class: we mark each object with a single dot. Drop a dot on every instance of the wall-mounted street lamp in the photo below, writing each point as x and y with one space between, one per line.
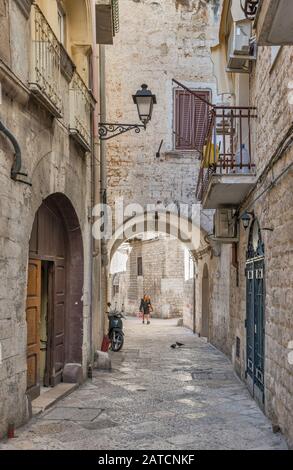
144 100
246 219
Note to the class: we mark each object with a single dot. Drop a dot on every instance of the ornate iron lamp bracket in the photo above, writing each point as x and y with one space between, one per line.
109 130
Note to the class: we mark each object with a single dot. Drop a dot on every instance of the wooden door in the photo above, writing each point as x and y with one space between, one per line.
205 304
58 322
33 311
50 318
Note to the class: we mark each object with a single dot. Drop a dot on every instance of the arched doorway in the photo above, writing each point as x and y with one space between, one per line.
205 310
255 326
54 295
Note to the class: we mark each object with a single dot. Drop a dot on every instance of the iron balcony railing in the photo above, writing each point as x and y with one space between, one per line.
228 148
81 105
46 64
250 8
115 15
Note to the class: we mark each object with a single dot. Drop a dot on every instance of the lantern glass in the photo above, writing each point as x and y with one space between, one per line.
144 107
246 220
144 100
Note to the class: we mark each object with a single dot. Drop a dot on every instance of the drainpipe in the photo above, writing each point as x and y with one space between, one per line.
103 169
94 153
103 111
16 173
194 298
91 236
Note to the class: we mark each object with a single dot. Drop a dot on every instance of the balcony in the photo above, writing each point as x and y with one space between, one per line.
81 105
107 20
46 68
227 172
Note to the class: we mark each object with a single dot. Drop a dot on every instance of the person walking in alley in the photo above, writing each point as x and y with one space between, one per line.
146 308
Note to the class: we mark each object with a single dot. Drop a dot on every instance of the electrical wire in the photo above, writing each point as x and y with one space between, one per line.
271 185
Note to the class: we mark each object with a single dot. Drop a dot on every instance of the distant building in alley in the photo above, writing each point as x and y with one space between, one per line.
159 267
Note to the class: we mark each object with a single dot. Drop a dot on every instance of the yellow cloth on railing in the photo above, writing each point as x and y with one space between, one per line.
210 155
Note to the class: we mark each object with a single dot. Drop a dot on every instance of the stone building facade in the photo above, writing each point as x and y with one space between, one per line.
49 315
247 299
160 268
162 41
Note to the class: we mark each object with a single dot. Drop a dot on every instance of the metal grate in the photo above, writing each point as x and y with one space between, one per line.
228 148
115 13
224 141
46 60
81 103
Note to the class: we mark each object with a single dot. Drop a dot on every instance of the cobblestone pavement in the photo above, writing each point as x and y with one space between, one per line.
156 398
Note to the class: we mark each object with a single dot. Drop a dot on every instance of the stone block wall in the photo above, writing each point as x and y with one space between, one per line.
273 207
163 279
158 41
55 164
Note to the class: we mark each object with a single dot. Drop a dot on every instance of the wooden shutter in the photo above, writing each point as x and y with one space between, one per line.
191 120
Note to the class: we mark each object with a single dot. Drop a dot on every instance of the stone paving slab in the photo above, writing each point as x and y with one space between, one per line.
155 398
52 396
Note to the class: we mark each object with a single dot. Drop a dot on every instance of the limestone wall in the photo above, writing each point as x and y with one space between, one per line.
273 207
55 164
163 279
158 41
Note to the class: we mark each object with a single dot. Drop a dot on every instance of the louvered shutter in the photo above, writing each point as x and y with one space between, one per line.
191 119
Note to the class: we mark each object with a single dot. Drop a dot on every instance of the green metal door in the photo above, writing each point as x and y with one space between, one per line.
255 331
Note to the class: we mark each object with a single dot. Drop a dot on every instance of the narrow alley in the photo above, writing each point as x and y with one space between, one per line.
155 397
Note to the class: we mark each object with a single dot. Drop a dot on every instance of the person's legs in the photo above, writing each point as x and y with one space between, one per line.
148 318
143 318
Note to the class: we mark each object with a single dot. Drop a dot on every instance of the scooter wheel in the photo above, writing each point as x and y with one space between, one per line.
117 341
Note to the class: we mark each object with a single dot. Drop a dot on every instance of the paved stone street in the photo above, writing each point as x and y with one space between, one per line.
155 398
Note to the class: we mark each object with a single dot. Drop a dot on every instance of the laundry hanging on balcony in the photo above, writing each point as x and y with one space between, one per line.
210 155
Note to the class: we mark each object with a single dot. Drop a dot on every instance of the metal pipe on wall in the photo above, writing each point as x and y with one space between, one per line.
103 178
94 168
194 298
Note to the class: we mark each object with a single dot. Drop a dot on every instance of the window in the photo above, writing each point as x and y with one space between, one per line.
61 25
188 265
139 266
190 119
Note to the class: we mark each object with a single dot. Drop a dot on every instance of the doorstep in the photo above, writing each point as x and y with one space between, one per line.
52 396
